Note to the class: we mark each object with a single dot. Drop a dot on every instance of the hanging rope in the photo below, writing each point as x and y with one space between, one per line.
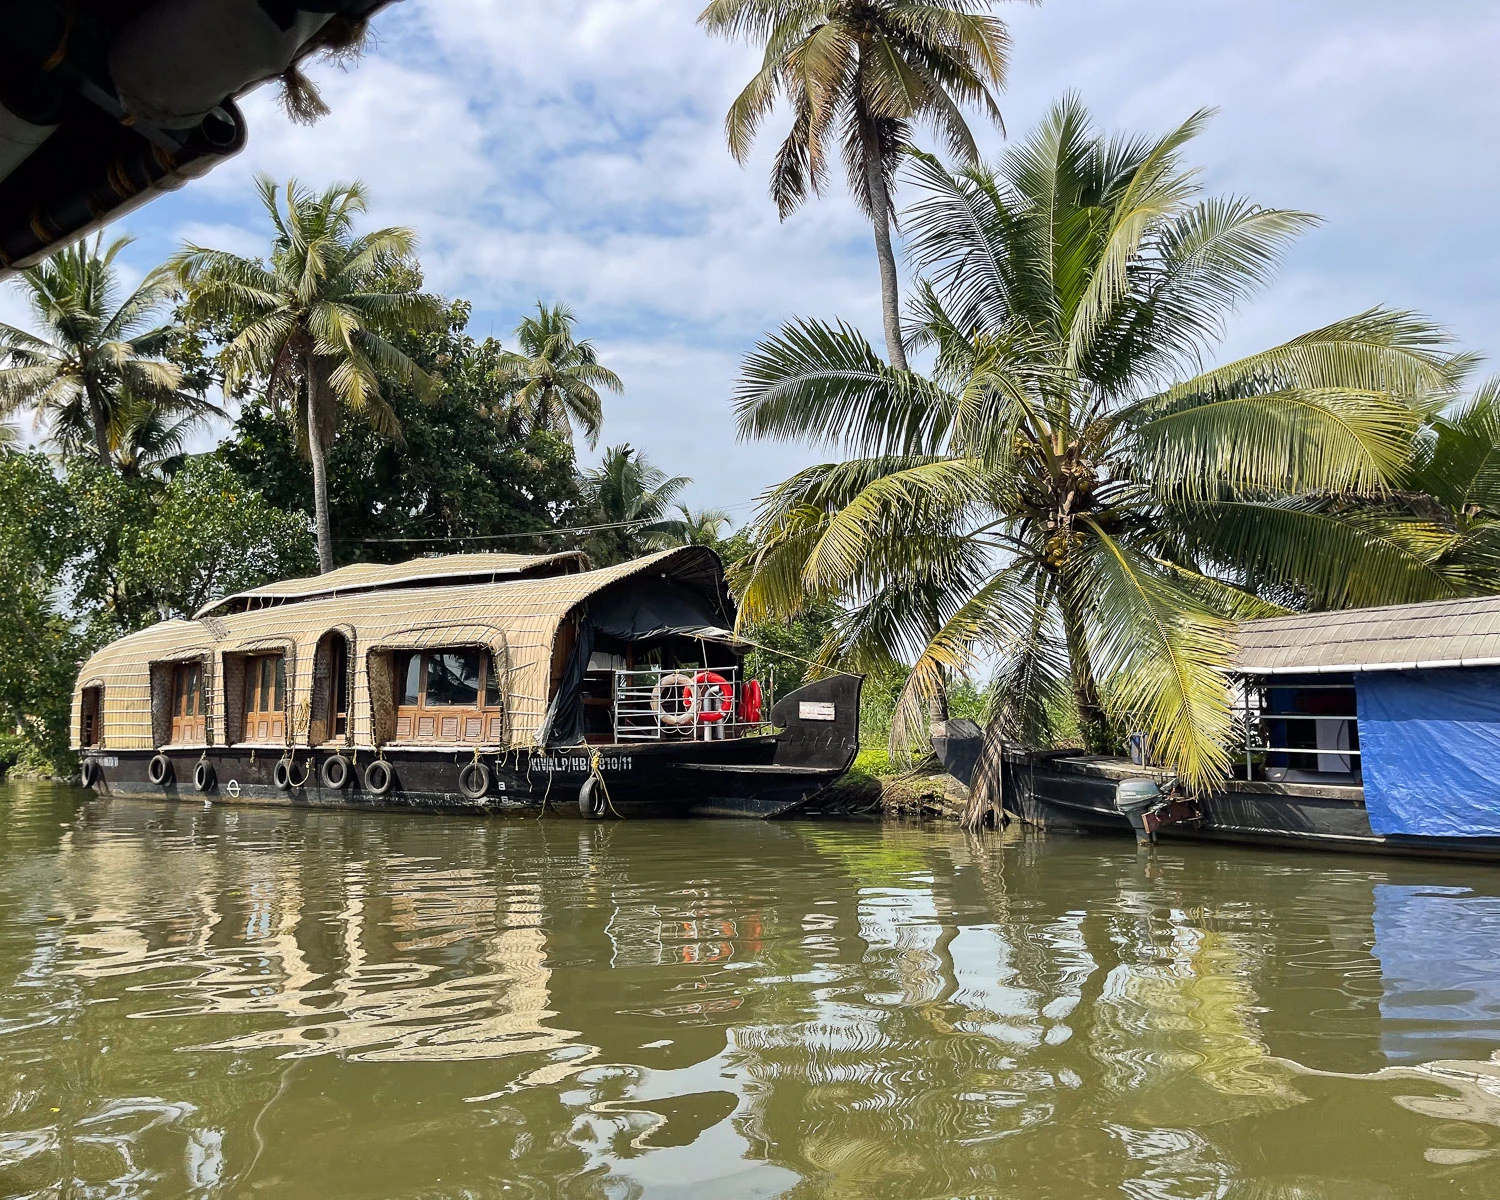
595 772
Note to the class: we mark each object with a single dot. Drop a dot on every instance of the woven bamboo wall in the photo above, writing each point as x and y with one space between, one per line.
516 619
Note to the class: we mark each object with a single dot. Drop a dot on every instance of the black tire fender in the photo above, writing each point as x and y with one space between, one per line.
281 774
203 776
335 773
88 772
591 799
474 780
159 770
379 778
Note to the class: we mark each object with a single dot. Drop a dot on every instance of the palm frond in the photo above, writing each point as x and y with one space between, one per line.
1163 657
1293 441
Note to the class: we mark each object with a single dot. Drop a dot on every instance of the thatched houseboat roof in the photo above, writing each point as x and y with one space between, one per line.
451 569
515 615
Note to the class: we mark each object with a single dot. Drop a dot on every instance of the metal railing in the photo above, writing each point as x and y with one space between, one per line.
653 704
1256 740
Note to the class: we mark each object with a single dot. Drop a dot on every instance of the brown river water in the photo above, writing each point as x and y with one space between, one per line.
204 1002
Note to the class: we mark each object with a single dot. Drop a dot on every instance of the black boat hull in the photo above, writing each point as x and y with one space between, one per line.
766 776
639 781
1078 793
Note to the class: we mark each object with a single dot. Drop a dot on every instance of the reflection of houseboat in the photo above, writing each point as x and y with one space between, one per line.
1369 729
482 681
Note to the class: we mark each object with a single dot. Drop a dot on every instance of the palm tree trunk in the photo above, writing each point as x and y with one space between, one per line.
1092 724
318 453
880 216
101 427
937 702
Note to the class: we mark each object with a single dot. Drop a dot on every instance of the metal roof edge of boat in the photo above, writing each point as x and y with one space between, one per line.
1440 664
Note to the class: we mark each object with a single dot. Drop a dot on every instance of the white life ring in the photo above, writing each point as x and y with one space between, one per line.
690 702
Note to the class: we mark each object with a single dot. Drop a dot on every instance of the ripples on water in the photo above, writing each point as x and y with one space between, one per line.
215 1001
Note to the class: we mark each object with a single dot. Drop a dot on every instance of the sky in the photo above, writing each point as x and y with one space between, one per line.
573 150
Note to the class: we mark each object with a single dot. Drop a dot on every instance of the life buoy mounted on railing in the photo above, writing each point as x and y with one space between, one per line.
682 699
751 701
715 697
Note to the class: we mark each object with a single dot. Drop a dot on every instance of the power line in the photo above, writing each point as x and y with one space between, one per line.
504 537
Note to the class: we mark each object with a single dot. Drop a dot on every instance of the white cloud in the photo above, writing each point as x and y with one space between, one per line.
573 150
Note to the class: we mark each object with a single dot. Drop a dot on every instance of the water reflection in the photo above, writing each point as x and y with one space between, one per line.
219 1002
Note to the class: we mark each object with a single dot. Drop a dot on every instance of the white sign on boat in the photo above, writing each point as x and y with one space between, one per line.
815 710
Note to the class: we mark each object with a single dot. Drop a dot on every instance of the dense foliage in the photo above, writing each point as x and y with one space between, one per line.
1068 492
467 465
39 645
88 554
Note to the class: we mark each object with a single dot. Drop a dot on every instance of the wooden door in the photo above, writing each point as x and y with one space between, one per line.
265 699
189 705
90 732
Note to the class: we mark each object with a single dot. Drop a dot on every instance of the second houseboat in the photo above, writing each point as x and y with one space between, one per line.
486 682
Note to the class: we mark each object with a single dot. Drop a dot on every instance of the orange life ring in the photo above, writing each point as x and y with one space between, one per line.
713 684
750 701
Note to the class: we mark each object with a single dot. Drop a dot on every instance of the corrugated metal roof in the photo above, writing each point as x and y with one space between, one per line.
1439 633
368 577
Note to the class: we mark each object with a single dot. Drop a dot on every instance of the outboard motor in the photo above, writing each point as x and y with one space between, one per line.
1134 798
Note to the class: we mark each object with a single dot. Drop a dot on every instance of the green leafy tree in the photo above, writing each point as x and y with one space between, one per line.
98 364
318 322
858 75
110 511
1071 492
553 380
635 499
145 549
39 647
209 536
469 472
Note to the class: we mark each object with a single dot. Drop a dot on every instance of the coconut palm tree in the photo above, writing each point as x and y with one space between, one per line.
1454 481
634 498
317 321
147 436
704 527
858 75
553 380
1071 492
93 348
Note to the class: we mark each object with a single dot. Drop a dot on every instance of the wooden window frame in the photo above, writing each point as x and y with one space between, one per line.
338 687
253 717
447 724
189 728
91 717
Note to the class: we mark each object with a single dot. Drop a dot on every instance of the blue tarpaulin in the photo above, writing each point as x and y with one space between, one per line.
1430 742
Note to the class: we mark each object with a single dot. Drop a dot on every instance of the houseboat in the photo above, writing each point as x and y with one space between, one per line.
484 682
1371 729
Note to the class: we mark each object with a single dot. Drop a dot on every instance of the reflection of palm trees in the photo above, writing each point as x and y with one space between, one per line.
881 1011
